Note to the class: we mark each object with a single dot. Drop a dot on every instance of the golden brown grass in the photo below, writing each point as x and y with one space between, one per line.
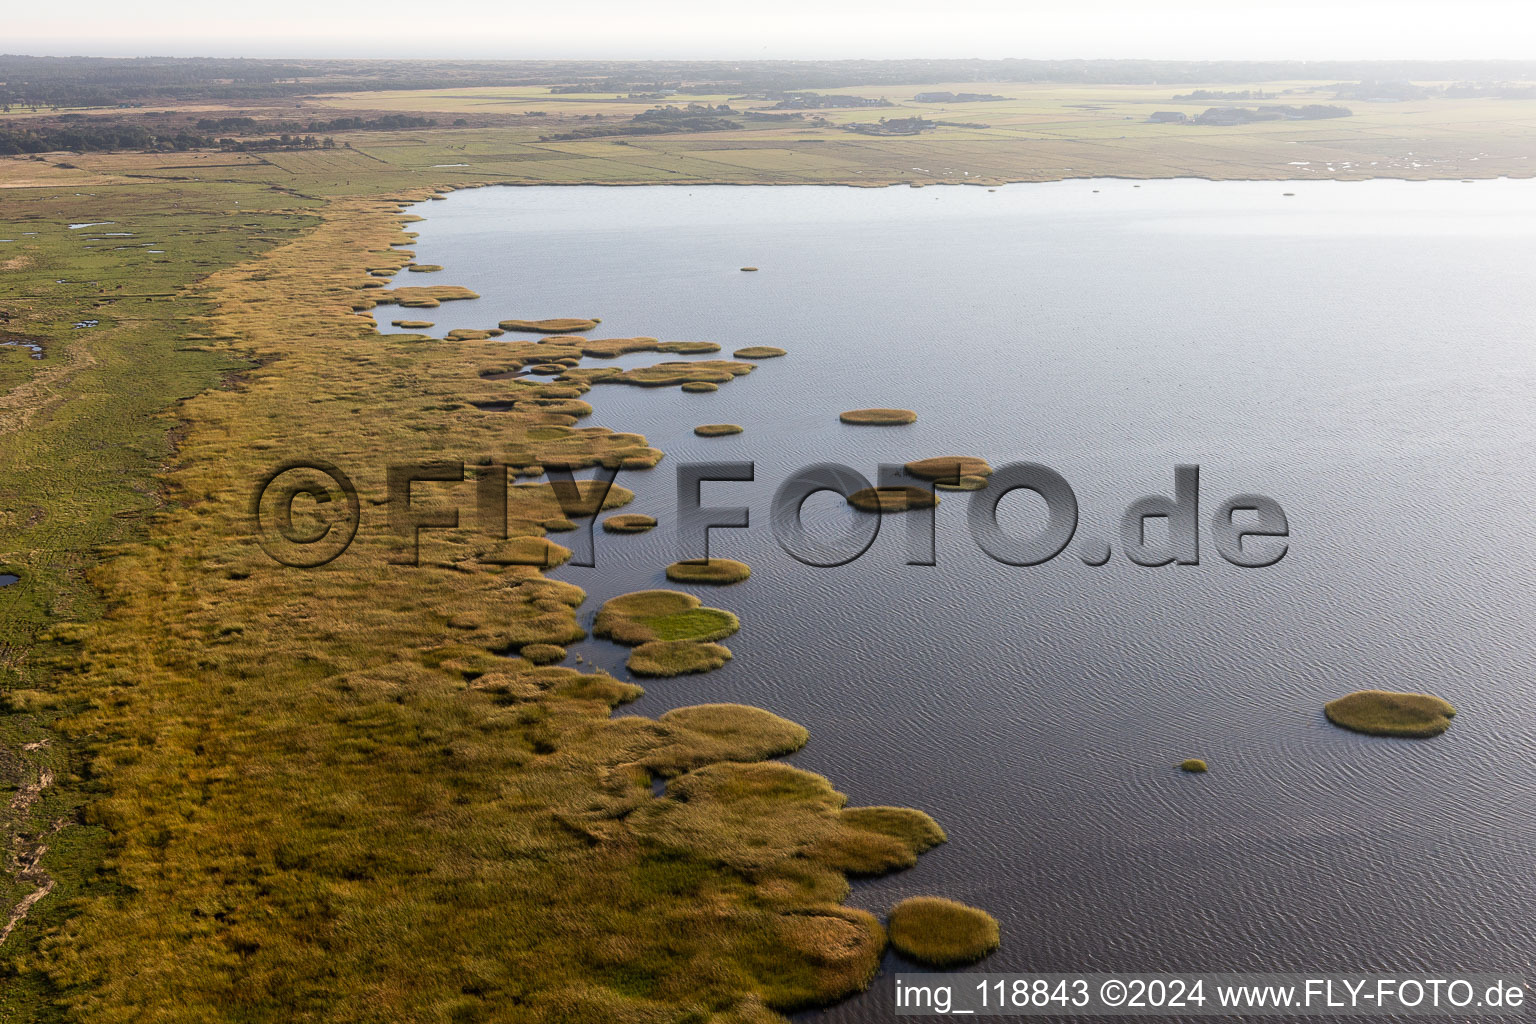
676 657
629 522
759 352
942 933
1194 764
412 324
717 429
669 374
716 571
879 417
942 466
1388 713
426 297
700 386
558 325
330 797
662 615
542 654
892 499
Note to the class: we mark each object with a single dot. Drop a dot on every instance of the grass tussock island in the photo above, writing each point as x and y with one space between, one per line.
942 933
1194 765
717 429
647 615
952 472
612 348
424 297
716 571
424 268
415 325
700 387
558 325
759 352
676 658
879 417
1387 713
892 499
664 375
629 522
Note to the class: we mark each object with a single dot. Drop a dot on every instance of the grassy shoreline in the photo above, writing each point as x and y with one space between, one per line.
289 775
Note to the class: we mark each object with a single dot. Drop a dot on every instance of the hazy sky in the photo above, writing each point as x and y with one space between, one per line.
1237 29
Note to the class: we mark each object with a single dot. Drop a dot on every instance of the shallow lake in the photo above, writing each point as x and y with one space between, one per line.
1363 353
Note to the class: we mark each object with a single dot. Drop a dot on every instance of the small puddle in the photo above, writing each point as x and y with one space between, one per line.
86 323
37 353
91 223
6 579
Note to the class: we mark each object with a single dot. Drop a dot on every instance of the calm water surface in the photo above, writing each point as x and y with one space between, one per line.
1365 353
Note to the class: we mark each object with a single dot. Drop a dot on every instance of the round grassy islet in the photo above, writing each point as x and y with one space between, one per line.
629 522
646 615
1388 713
942 933
676 658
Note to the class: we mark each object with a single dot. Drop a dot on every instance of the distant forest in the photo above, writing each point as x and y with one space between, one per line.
82 134
50 82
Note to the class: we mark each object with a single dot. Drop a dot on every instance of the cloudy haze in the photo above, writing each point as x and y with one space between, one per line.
1186 29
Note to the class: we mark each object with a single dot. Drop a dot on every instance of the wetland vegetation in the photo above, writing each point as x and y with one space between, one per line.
942 933
714 571
1388 713
879 417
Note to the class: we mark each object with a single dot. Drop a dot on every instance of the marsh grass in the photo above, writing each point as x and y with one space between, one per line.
879 417
645 615
333 795
1194 764
717 429
1388 713
759 352
558 325
629 522
942 933
714 571
676 657
892 499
